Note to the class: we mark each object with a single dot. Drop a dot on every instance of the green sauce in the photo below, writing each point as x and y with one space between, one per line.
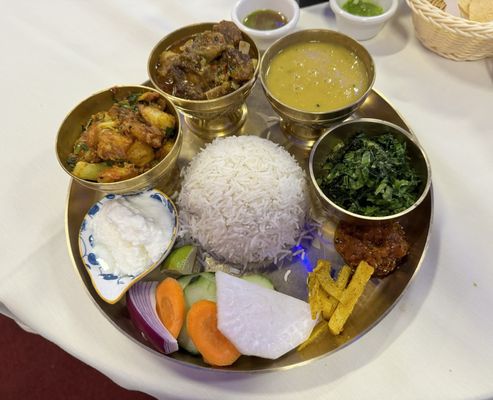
362 8
265 20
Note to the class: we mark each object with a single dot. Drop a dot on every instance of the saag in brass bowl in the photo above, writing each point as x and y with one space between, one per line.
401 185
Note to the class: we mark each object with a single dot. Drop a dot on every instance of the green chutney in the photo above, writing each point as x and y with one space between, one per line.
265 20
362 8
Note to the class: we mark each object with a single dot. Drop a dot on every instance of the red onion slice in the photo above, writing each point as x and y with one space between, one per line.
141 304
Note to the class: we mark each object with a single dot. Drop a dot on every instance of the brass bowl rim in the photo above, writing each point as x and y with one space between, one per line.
362 217
177 100
315 31
109 185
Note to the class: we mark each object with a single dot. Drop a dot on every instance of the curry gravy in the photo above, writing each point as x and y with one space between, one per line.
317 77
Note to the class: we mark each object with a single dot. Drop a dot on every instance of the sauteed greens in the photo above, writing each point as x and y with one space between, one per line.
371 176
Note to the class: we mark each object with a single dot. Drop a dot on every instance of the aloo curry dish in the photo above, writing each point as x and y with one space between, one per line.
134 135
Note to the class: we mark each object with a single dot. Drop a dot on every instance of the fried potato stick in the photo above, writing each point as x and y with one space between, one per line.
325 301
328 284
329 307
322 267
318 331
313 296
322 274
316 295
350 297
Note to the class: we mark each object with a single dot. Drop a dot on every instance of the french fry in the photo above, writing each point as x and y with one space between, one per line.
329 307
328 284
322 267
313 295
318 331
334 299
350 297
316 295
325 300
322 273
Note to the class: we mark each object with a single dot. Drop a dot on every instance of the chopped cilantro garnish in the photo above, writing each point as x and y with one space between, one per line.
371 176
169 133
80 146
130 101
87 125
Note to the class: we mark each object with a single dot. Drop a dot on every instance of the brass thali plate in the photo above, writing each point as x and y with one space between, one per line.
380 294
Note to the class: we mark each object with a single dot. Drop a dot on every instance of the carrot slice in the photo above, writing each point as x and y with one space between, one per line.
170 305
215 348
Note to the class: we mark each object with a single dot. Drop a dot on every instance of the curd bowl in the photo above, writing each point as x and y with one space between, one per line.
110 283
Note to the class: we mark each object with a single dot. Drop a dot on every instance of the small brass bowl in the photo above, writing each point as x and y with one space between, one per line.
303 128
213 118
372 127
70 131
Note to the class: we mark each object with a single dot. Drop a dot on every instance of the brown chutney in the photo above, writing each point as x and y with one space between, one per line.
382 245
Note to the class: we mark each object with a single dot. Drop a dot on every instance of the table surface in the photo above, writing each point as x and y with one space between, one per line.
436 343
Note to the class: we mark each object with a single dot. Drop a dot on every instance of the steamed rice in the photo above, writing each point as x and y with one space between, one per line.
243 199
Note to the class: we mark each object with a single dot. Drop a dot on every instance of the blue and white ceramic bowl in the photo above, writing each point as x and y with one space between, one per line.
109 286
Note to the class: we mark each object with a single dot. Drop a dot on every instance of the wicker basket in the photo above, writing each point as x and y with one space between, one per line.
450 36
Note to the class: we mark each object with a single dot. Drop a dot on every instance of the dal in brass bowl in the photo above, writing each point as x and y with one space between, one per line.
212 118
304 127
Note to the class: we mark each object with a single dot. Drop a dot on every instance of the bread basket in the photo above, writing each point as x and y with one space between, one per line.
449 36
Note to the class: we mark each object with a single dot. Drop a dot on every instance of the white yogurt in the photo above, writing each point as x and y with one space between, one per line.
130 234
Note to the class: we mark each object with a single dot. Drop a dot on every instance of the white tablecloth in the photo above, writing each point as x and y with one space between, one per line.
437 343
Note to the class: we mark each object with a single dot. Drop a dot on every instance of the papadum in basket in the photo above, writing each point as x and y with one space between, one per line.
448 35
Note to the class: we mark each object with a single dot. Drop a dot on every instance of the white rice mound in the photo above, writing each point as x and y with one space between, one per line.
243 199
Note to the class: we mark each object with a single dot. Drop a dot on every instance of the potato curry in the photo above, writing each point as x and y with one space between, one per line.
124 141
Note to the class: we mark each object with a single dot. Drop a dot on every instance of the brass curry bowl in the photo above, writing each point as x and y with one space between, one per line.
343 133
212 118
70 131
304 127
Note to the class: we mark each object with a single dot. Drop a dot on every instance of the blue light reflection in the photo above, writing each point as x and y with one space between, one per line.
302 258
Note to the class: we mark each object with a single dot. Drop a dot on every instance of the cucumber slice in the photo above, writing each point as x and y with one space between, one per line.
260 280
185 280
197 287
201 288
185 342
211 276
